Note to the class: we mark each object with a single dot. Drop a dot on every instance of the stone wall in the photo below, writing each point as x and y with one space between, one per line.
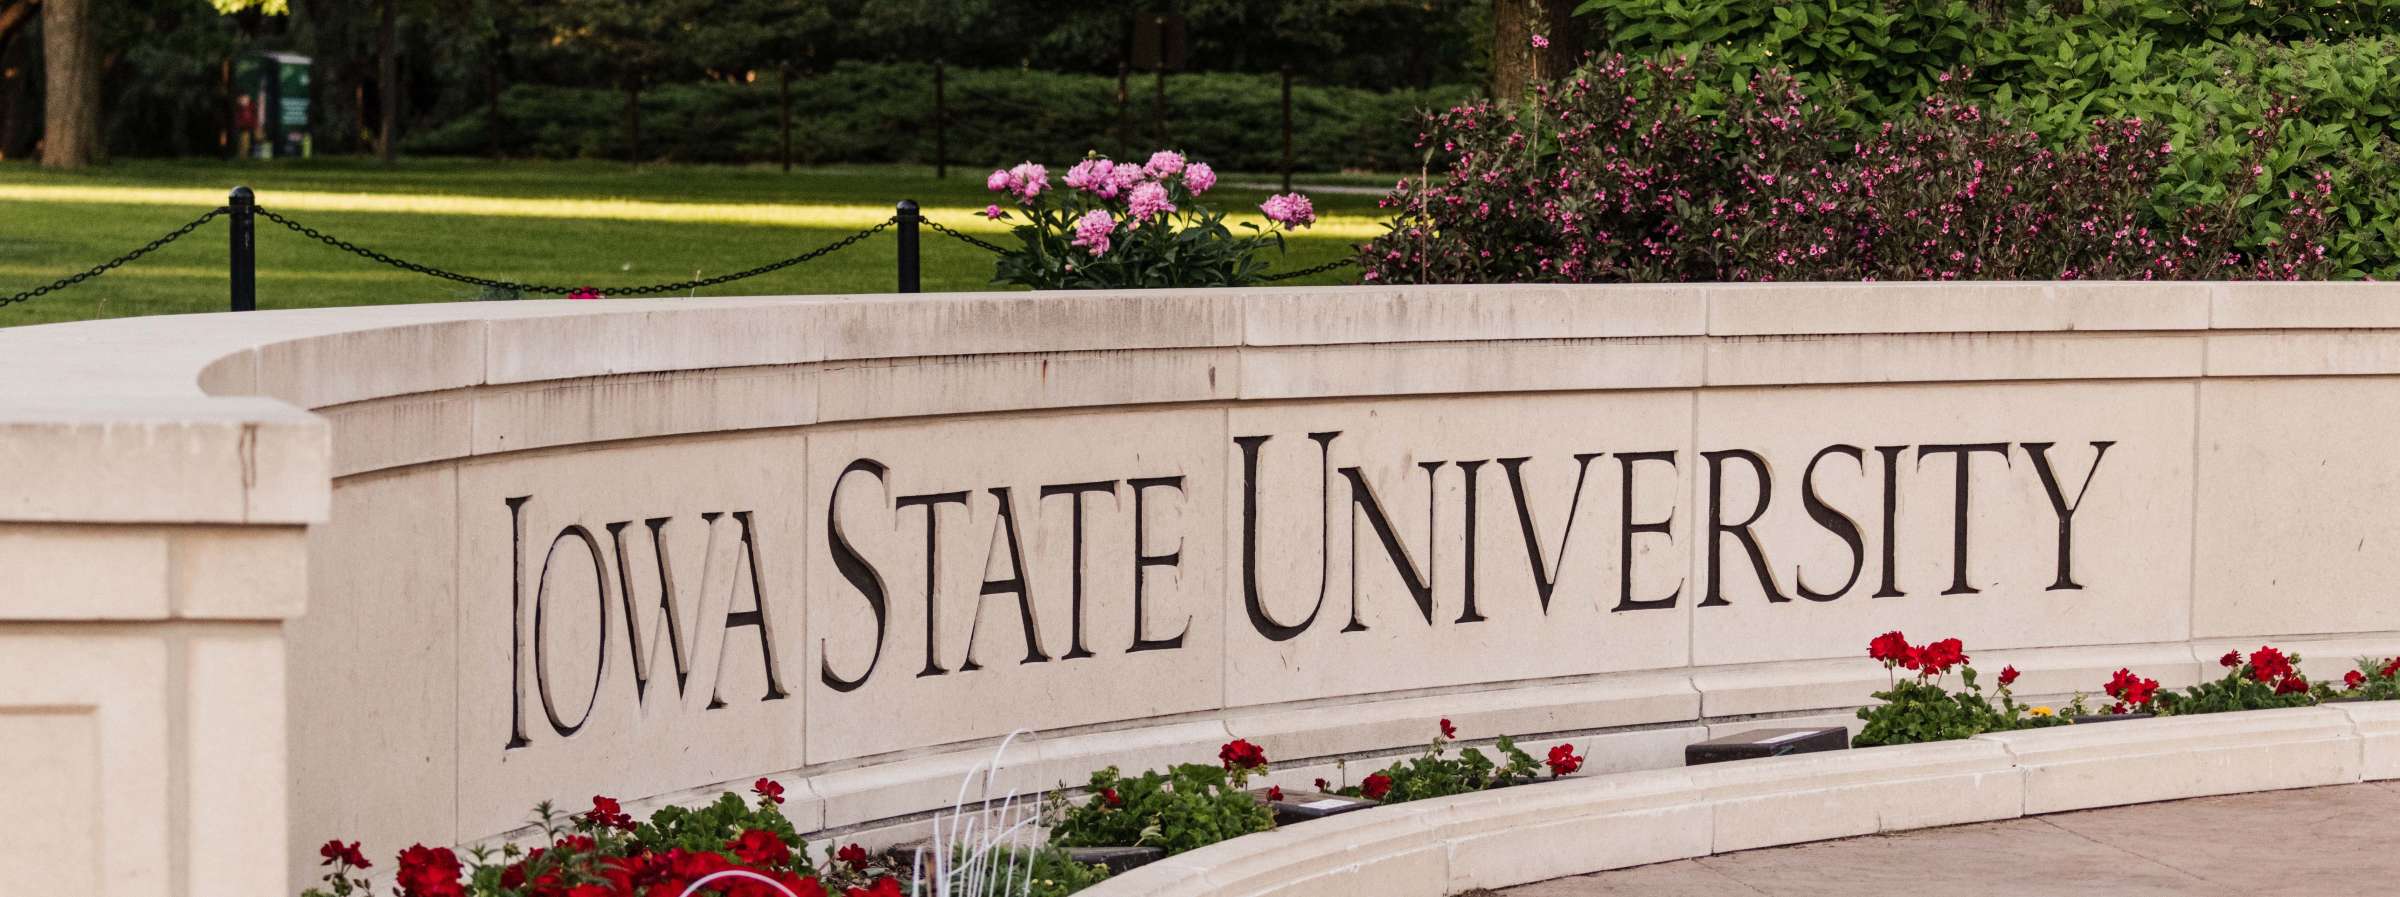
453 560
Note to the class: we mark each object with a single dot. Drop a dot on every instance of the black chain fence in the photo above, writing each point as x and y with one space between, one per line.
111 264
512 288
557 290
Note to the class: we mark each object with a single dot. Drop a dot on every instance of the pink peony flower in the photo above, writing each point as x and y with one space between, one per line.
1092 231
1029 180
1198 177
1127 176
1094 176
1290 210
1148 201
1164 163
997 181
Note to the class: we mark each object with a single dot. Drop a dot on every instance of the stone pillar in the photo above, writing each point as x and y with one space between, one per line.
148 562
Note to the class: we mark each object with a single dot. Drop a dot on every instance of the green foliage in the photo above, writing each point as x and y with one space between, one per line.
2378 680
1435 775
1918 710
708 828
1191 805
860 113
2207 71
2269 679
1052 874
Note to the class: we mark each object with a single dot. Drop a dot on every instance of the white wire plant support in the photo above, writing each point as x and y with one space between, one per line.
986 852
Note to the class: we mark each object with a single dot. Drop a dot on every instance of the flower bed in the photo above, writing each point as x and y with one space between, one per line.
1128 225
1921 708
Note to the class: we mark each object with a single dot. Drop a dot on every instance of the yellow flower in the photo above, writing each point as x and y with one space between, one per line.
2042 711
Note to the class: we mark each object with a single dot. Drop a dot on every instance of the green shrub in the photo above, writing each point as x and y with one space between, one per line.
869 113
1189 806
2205 73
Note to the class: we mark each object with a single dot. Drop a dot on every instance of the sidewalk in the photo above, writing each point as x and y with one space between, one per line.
2316 841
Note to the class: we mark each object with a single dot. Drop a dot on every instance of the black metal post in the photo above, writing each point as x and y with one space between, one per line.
243 243
908 245
1287 129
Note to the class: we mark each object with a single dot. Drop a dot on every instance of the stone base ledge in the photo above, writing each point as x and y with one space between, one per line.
1590 824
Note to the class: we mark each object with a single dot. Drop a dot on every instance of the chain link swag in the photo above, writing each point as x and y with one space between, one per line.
111 264
555 290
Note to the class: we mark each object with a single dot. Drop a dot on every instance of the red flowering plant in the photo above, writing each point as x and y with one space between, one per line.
2268 677
605 852
1919 707
1630 170
2376 679
1436 773
1189 805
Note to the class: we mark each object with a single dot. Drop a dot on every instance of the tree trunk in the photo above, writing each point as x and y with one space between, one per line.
1516 62
387 86
71 69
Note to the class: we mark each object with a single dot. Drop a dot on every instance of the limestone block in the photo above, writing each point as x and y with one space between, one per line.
62 572
2289 353
1948 356
236 762
381 434
638 406
896 388
2378 726
1979 558
1826 308
910 326
985 575
1319 731
1518 855
1834 794
242 573
1448 368
2107 764
90 712
1367 591
2261 305
630 621
1319 316
337 368
161 461
373 665
2298 512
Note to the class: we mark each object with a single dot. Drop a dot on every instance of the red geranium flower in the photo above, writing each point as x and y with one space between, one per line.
574 843
1241 754
2292 685
1376 786
2231 659
768 788
1323 785
1563 760
1274 792
429 872
2354 679
2128 688
2008 675
605 813
759 847
1448 730
883 887
1938 657
1890 647
2268 664
2390 668
335 851
854 855
590 891
1109 796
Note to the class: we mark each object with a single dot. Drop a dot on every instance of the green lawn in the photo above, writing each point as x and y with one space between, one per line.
565 223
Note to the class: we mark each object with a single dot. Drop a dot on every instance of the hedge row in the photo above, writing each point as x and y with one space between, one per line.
862 113
2207 71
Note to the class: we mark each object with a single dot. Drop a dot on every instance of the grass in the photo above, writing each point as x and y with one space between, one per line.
546 222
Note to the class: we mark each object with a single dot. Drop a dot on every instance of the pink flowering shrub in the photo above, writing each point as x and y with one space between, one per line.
1649 171
1127 224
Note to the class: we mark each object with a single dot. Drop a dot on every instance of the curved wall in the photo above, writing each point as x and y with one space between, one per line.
654 548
